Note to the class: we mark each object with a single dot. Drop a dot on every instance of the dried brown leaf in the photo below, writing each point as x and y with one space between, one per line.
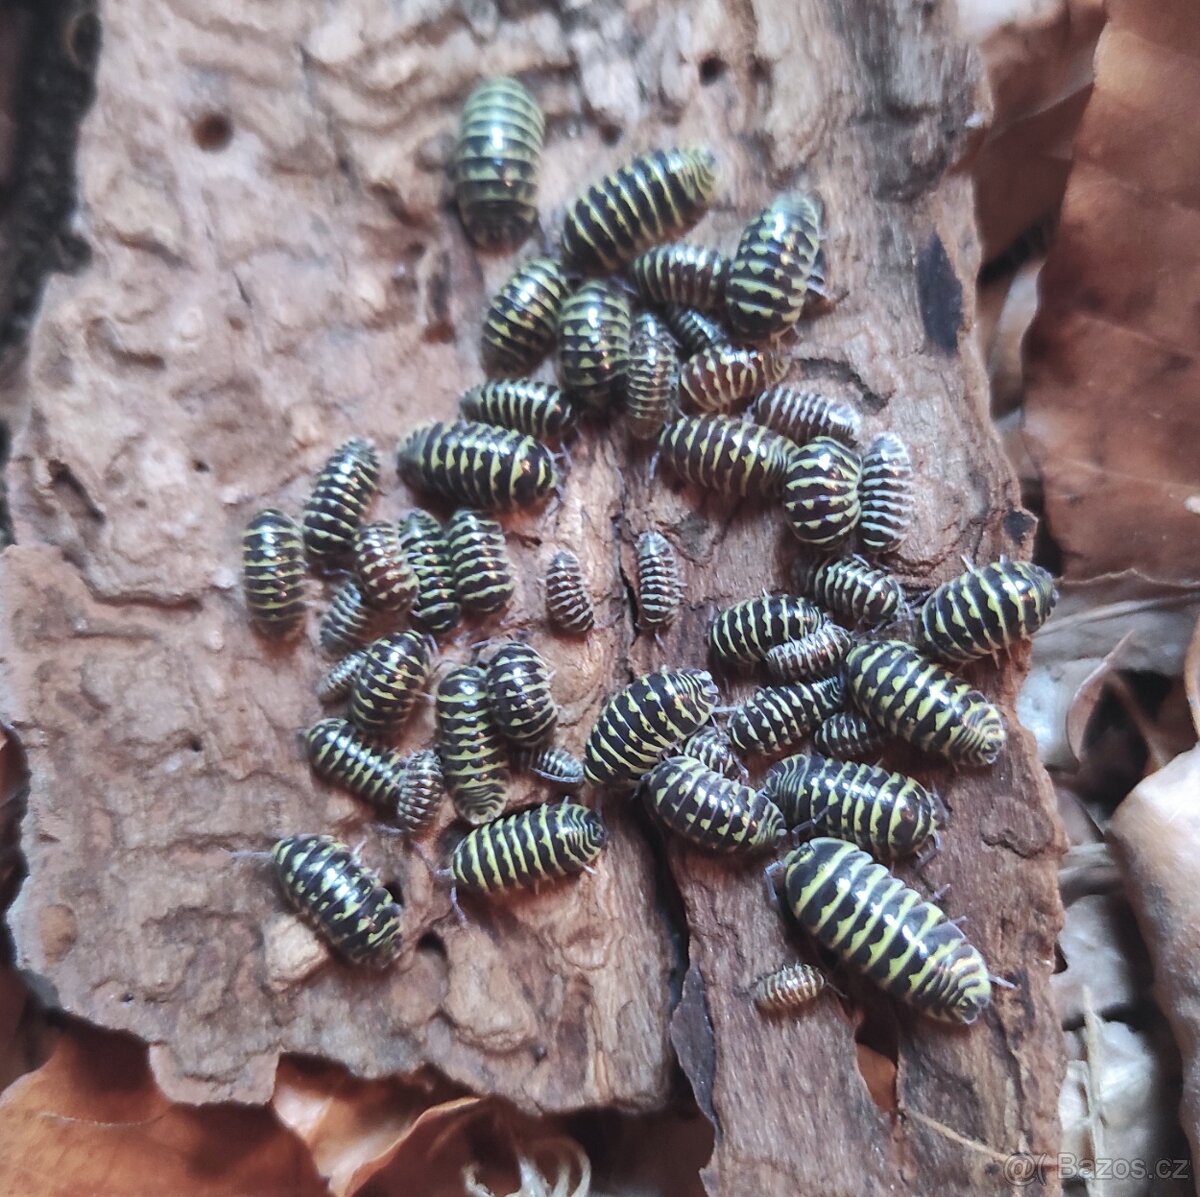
1156 834
1113 385
1191 676
91 1120
1038 55
352 1128
1118 1104
1104 958
1122 621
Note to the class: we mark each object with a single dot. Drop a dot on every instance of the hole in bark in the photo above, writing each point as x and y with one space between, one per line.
610 134
430 943
876 1053
195 744
393 887
711 69
1060 961
201 467
213 132
126 998
81 40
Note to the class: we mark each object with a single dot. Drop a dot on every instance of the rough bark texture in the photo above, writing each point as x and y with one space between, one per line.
276 268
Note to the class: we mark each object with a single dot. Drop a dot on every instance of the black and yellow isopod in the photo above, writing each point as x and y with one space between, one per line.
897 688
273 578
522 850
885 930
340 897
711 811
778 261
653 198
985 610
644 719
496 163
521 320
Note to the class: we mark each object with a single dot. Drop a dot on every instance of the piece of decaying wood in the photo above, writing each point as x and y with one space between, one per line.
254 301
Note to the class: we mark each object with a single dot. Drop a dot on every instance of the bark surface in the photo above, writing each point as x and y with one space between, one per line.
276 267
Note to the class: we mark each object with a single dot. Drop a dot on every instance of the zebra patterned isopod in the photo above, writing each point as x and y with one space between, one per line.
392 675
852 588
886 814
711 811
496 163
788 989
478 464
558 767
542 843
518 685
817 654
652 199
340 897
652 384
339 754
985 610
803 415
820 495
886 494
776 718
385 577
894 686
474 763
537 409
717 379
728 456
521 320
777 259
694 330
340 497
885 930
436 607
568 604
849 735
483 573
714 750
593 344
273 574
690 276
744 633
421 791
640 722
346 624
659 590
338 679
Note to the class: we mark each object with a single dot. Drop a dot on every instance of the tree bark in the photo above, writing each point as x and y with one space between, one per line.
276 267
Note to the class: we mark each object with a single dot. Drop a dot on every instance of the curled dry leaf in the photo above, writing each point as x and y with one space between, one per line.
1112 407
1191 676
1123 621
1117 1103
1104 957
1156 833
1038 55
91 1120
352 1128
